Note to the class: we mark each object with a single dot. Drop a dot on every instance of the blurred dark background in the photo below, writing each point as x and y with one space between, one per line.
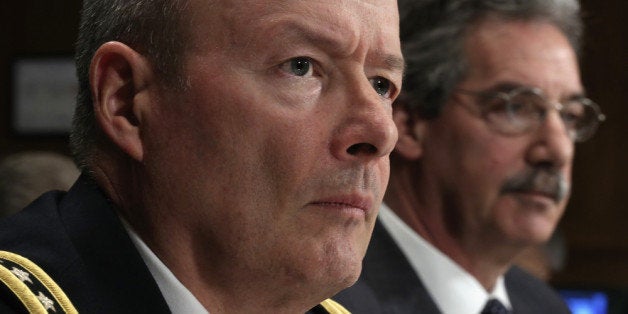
594 226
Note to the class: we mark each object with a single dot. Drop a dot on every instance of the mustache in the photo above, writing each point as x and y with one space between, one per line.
540 180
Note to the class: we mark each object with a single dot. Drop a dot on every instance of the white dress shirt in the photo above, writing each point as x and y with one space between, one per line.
179 299
453 289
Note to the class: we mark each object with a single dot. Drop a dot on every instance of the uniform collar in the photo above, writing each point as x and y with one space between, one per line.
178 297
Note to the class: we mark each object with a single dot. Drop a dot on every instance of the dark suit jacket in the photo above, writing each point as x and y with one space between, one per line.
388 284
79 241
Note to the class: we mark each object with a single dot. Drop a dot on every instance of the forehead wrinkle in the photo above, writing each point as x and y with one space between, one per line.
547 51
337 39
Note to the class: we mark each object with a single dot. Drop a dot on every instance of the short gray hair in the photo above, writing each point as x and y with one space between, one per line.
151 27
433 35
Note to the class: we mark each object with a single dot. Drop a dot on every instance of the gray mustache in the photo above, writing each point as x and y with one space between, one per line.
546 181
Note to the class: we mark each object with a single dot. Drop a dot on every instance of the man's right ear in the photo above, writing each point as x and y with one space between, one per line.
119 77
411 130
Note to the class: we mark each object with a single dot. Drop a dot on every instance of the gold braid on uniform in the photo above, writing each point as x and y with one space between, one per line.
334 307
32 286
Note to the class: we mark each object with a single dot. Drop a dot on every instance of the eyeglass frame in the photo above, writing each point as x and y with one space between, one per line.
576 135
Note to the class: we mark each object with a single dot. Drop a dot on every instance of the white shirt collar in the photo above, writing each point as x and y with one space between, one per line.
453 289
179 299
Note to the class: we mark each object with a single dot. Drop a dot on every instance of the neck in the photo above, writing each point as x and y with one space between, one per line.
414 202
221 287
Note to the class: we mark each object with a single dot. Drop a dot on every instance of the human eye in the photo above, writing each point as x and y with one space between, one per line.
298 66
526 105
513 114
573 113
382 86
497 105
523 107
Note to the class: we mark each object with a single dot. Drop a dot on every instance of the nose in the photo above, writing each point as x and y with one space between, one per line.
552 147
366 130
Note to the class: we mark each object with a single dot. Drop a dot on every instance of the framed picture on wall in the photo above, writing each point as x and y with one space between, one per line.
43 95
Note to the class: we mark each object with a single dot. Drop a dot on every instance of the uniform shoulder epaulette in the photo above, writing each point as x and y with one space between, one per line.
37 292
333 307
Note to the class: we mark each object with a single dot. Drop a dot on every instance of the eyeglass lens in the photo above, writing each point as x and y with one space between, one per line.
525 109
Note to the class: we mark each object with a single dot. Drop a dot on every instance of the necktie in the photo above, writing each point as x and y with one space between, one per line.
493 306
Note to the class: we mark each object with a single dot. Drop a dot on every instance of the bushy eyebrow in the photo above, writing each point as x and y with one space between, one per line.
394 63
508 86
334 42
505 87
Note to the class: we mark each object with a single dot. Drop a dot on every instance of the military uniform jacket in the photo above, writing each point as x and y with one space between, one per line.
388 284
77 239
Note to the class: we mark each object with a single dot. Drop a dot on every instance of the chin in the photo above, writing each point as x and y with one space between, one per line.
341 264
533 227
533 234
341 279
351 276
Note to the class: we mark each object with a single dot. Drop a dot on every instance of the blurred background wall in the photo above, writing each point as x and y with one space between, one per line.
32 29
594 227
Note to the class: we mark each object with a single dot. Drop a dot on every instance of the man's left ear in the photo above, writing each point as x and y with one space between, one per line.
119 78
410 144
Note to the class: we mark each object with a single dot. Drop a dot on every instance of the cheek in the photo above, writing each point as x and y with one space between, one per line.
384 169
496 155
479 168
493 161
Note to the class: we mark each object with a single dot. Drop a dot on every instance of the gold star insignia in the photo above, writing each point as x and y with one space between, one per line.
47 303
21 275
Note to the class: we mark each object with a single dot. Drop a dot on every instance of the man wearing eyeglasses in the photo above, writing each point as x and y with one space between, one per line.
491 109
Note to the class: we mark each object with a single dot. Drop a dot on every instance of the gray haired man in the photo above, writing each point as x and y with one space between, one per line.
491 108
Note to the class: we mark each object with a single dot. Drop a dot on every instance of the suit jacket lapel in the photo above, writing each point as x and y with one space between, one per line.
398 286
388 283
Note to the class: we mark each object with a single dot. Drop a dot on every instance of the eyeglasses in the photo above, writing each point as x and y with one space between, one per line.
523 109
